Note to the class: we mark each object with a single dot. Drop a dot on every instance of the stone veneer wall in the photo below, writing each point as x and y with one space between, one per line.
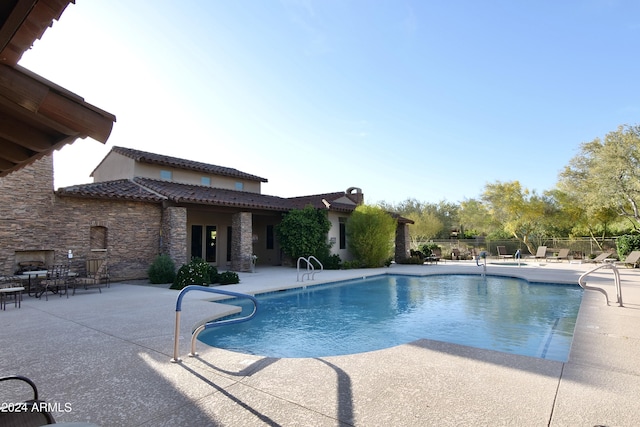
241 241
174 234
403 242
33 218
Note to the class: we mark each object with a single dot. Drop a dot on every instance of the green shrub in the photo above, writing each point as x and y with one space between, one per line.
348 265
303 232
197 272
229 278
330 262
162 270
428 248
214 277
412 260
626 244
370 235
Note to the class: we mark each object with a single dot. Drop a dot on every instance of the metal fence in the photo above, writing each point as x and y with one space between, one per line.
578 248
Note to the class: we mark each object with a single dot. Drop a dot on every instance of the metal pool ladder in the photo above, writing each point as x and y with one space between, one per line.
311 270
616 279
209 324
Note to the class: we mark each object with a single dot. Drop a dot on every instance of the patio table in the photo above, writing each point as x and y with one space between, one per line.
27 275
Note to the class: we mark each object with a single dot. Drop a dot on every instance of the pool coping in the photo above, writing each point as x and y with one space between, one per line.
108 356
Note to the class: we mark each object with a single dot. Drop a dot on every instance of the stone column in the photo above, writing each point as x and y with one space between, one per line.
241 241
403 243
173 239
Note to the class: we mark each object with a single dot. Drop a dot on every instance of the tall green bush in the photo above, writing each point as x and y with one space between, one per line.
162 270
626 244
370 235
303 232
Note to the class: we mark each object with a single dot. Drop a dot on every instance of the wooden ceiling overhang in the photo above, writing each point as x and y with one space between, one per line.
36 115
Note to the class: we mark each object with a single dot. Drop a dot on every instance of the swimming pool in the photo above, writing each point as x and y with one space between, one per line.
497 313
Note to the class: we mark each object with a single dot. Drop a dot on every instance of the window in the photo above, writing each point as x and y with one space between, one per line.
269 236
205 180
166 175
343 232
196 241
239 186
98 237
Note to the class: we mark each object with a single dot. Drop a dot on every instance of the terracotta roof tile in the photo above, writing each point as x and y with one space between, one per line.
122 189
153 190
159 159
316 201
199 194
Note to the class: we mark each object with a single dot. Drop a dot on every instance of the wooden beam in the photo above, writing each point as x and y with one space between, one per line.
13 152
23 134
76 116
6 166
10 28
48 100
21 89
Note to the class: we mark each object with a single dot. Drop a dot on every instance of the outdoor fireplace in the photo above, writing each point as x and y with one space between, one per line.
30 260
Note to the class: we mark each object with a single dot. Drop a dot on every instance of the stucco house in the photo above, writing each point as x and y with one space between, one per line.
142 204
210 211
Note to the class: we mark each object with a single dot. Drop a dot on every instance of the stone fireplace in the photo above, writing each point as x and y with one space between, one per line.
30 260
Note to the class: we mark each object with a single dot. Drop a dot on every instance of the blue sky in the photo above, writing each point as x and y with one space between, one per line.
421 99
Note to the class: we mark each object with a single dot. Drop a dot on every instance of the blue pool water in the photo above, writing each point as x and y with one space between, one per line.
497 313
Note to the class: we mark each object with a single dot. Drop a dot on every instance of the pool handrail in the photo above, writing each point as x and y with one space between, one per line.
311 270
616 278
208 324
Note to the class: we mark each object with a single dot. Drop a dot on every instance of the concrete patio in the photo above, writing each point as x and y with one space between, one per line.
105 359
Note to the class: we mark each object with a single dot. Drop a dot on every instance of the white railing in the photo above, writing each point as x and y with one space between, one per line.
310 270
616 279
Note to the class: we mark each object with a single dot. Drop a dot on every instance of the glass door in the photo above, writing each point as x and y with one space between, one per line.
211 242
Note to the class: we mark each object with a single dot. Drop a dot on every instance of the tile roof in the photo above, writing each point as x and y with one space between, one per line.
200 194
159 159
316 200
122 189
156 191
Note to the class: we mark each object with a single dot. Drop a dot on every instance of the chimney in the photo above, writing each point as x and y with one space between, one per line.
355 194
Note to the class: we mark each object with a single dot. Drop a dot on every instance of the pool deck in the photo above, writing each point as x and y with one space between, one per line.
107 357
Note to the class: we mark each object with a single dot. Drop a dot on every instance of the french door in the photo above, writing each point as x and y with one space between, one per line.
204 241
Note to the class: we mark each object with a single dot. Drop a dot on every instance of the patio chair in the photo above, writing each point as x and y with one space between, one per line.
600 258
562 254
502 252
434 257
541 253
57 279
31 411
97 278
632 259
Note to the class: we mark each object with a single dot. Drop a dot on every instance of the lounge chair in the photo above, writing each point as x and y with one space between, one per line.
97 278
562 254
434 257
32 412
502 252
632 259
541 253
601 257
